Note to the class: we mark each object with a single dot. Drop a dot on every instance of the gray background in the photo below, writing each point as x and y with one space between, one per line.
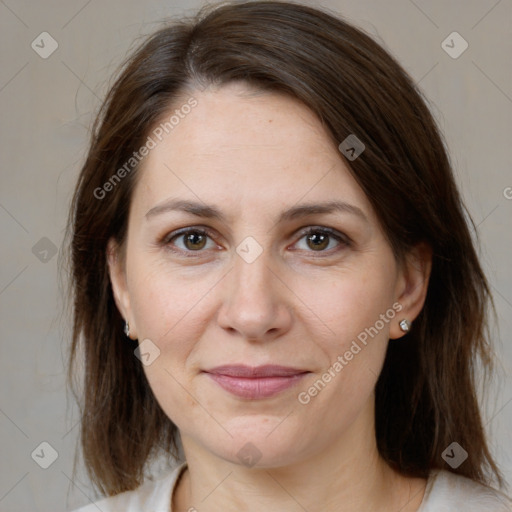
46 108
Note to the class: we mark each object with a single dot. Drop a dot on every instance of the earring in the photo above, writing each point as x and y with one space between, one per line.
127 329
405 325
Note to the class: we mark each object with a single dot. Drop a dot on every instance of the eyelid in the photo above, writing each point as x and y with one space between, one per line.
182 231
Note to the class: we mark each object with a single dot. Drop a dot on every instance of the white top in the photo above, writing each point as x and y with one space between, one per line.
445 492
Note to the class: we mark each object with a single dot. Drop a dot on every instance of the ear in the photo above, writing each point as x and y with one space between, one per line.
412 286
117 273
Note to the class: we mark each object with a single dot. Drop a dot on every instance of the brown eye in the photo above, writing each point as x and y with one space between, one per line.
188 240
194 240
323 240
318 241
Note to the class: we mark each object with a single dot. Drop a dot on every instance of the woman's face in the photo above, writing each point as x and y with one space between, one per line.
251 329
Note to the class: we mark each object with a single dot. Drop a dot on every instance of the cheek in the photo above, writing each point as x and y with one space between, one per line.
164 298
348 303
355 311
170 313
342 389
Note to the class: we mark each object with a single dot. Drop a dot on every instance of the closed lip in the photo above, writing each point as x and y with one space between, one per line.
255 372
255 382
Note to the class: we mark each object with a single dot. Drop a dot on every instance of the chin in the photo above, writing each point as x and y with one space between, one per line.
260 443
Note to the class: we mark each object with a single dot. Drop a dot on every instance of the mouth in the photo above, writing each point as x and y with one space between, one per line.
257 382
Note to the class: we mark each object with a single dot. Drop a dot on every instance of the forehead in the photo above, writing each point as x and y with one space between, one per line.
239 146
236 118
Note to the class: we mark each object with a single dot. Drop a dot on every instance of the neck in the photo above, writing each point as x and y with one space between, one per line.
348 476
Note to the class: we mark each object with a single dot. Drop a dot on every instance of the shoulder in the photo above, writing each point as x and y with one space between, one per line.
152 496
447 492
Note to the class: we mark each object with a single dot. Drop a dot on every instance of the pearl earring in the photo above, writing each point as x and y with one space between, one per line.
127 329
405 325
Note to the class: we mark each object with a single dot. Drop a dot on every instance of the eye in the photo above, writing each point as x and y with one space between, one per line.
195 240
322 239
192 240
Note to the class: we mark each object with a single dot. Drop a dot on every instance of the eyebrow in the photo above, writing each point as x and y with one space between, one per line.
212 212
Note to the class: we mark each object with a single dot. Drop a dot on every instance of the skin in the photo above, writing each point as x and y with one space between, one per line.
254 155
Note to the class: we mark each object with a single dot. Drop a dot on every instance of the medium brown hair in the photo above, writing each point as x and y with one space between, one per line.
426 395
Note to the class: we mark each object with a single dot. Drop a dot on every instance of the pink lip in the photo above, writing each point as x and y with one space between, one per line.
255 382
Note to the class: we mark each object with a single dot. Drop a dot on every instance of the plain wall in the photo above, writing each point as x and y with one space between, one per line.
46 107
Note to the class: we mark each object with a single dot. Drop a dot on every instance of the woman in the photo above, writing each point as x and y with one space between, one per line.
274 281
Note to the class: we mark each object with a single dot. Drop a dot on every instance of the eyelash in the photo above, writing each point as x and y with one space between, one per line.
343 240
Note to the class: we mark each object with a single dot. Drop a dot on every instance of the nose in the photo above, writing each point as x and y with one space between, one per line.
255 301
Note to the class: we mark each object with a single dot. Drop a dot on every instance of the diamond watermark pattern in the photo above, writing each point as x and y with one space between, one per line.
44 250
45 455
44 45
249 455
351 147
249 249
454 455
147 352
454 45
